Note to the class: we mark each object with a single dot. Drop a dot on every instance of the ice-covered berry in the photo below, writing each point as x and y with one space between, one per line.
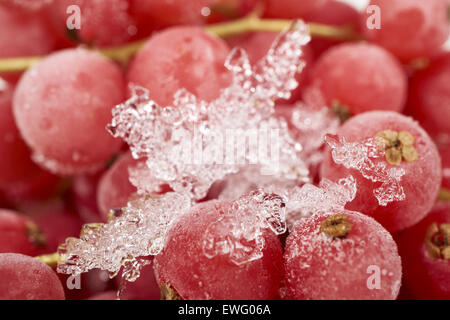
217 277
341 255
407 155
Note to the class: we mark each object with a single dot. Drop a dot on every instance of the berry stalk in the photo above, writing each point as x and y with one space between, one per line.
122 54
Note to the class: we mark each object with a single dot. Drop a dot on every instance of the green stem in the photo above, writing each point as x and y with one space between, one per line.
251 23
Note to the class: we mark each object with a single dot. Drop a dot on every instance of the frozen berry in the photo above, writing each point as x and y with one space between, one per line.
20 178
425 252
405 146
429 98
27 278
376 81
218 277
62 106
181 57
410 29
18 234
341 255
114 188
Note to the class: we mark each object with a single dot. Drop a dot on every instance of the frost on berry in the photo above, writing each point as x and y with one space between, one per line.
138 230
309 199
359 156
239 233
185 143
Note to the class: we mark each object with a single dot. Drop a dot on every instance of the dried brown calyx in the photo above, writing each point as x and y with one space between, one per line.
336 226
169 293
340 110
398 146
437 241
35 234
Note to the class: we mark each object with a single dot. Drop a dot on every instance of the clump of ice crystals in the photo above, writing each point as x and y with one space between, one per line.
239 233
359 156
308 127
194 143
138 230
161 134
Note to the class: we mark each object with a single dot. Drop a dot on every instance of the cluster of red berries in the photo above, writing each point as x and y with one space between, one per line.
60 168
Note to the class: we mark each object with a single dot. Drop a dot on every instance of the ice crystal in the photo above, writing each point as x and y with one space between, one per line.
360 156
194 143
138 230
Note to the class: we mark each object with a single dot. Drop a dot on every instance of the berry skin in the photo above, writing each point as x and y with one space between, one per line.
217 278
427 275
166 13
84 196
420 183
114 188
335 256
292 9
27 278
56 222
422 27
429 98
188 57
62 105
19 234
376 81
